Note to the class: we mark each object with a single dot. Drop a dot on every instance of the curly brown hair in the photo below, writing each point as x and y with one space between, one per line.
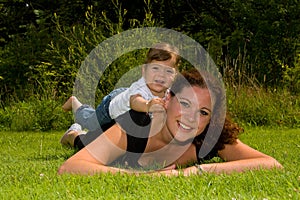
229 135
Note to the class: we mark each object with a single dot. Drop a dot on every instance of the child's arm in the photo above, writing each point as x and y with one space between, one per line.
138 103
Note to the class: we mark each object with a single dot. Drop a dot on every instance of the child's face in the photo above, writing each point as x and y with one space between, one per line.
159 76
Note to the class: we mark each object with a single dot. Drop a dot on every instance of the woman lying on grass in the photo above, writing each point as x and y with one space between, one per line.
174 145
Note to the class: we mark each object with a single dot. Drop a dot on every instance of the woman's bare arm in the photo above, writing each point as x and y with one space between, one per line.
238 158
95 157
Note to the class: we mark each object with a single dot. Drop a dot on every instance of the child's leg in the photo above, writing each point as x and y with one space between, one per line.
102 111
86 116
72 104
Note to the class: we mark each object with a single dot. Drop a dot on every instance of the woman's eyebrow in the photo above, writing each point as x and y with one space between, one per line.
183 98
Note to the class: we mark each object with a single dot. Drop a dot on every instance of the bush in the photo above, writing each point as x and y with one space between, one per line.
5 119
261 107
247 106
291 76
72 45
35 115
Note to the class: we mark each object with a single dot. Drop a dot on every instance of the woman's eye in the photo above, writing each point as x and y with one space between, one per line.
184 104
202 112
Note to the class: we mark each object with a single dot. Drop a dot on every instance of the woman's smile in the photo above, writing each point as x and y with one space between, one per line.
184 127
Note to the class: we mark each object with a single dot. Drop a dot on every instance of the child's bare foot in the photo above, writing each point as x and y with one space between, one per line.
68 104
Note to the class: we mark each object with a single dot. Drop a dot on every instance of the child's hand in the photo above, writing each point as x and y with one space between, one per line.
155 105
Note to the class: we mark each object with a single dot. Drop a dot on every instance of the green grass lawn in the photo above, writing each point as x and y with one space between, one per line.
29 162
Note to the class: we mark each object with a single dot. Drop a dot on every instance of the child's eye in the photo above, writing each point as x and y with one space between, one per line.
170 71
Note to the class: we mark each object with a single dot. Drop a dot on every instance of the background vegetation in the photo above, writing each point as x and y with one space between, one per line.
254 44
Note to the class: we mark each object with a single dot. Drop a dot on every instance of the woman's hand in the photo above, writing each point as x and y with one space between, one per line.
173 171
155 105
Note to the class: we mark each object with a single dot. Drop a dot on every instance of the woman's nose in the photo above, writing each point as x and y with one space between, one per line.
190 115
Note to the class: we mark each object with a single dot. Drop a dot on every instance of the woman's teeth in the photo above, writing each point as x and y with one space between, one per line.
184 126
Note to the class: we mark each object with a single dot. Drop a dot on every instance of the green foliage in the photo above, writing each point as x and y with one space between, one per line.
34 115
265 33
44 45
48 41
278 108
291 76
53 78
29 163
264 108
66 55
17 61
5 119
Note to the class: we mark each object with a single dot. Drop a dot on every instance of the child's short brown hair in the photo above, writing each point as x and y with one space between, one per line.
162 52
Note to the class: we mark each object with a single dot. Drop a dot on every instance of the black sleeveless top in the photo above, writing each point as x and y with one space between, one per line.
137 127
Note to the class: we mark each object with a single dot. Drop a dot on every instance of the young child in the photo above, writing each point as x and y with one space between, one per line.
158 73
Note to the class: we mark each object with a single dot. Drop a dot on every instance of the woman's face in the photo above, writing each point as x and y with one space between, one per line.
188 113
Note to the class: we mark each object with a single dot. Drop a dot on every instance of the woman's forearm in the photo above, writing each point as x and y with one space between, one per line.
84 167
242 165
225 167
